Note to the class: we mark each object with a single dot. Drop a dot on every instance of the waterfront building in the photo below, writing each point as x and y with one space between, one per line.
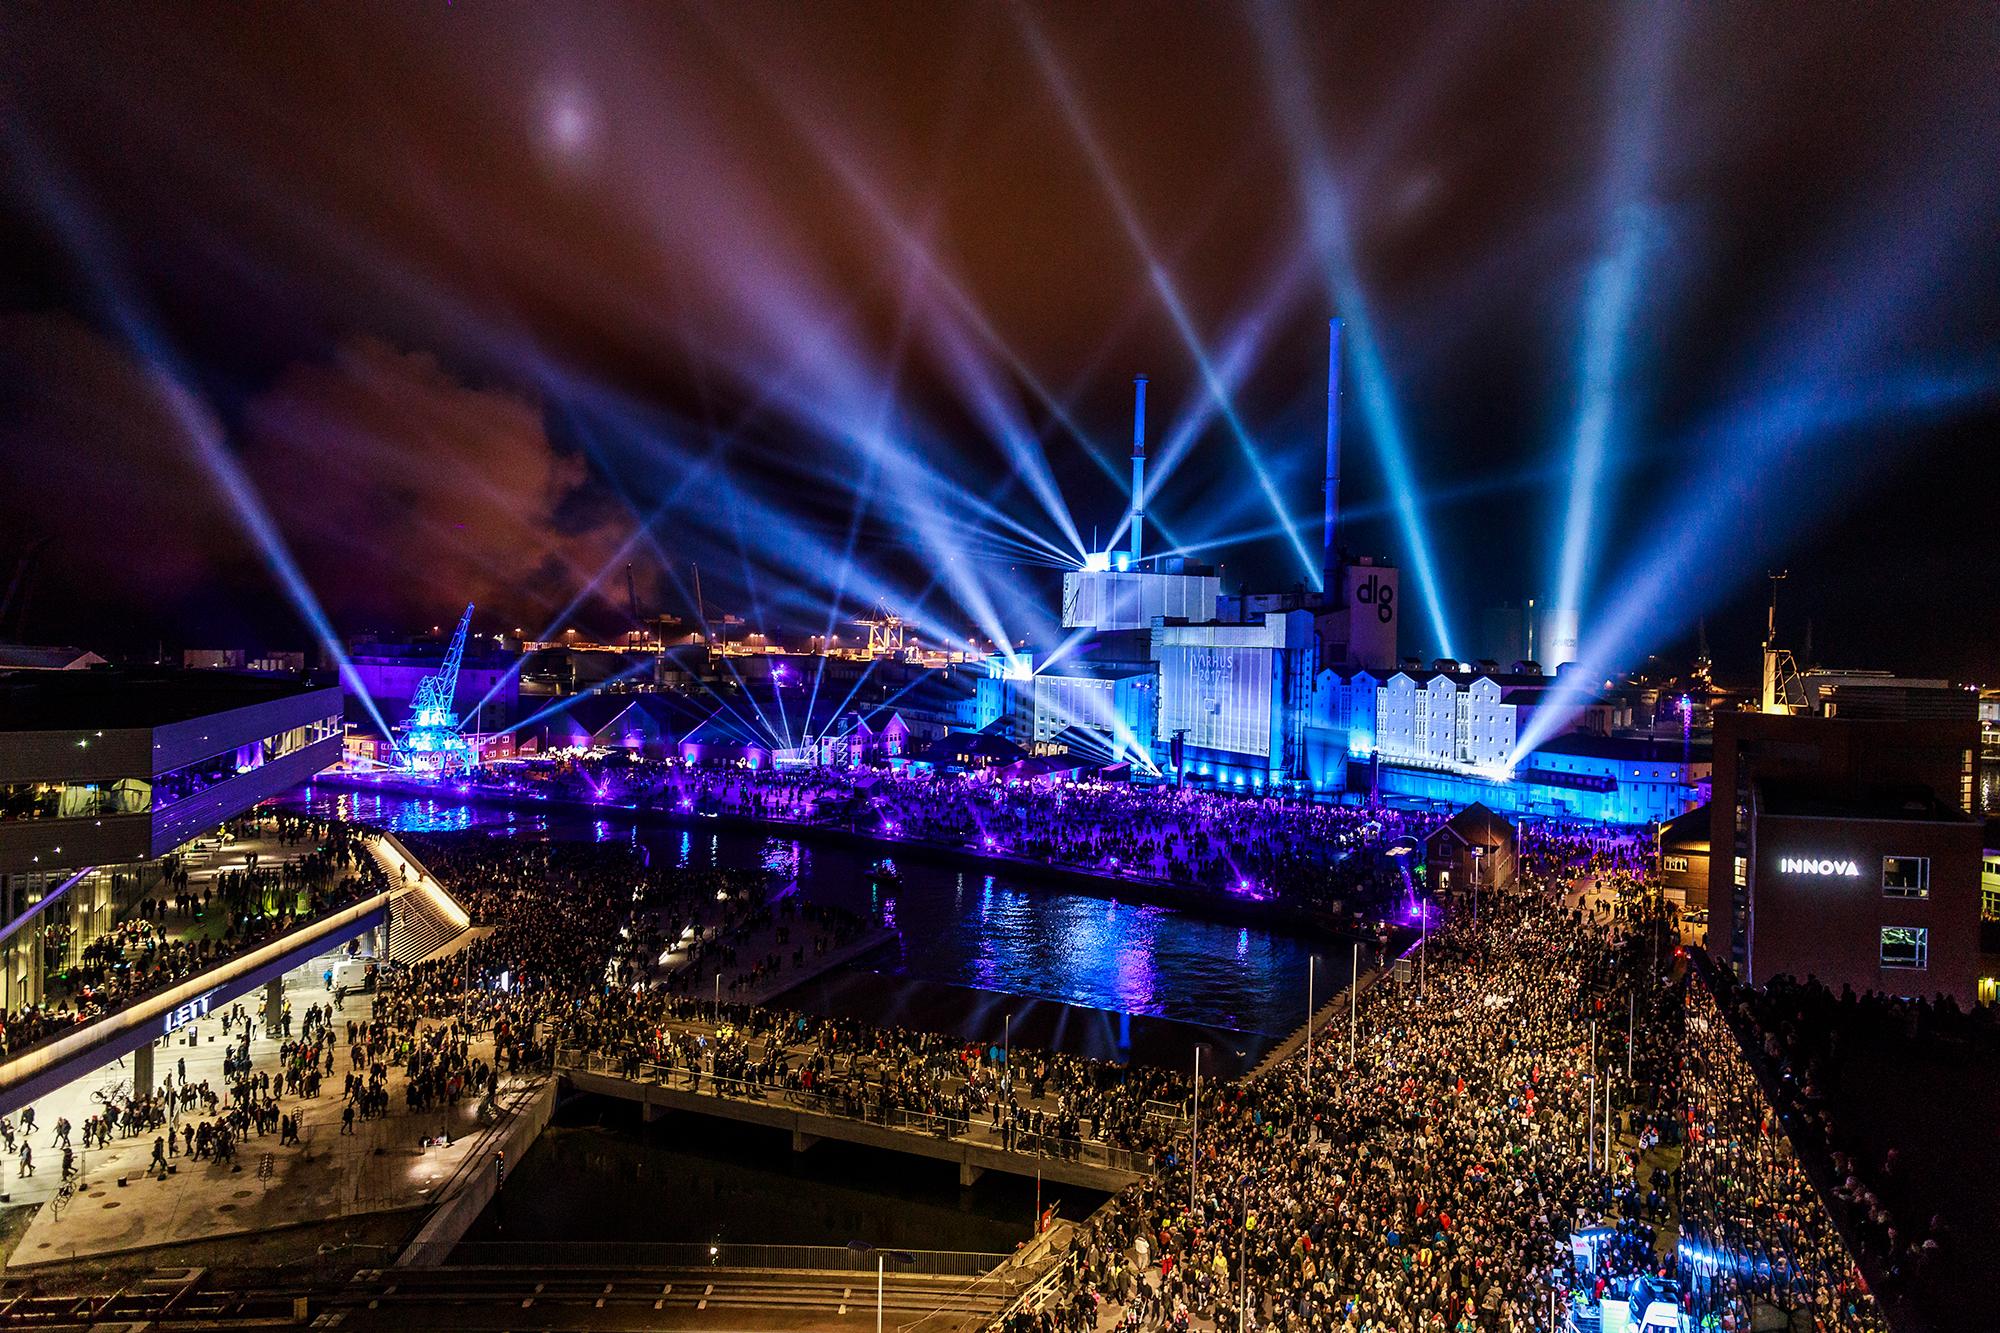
104 772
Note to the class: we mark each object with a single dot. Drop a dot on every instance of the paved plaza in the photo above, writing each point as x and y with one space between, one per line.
383 1165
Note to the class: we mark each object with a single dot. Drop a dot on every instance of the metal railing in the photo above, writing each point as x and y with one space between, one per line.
840 1105
645 1254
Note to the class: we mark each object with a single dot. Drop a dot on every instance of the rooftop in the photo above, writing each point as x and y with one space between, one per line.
1635 749
130 698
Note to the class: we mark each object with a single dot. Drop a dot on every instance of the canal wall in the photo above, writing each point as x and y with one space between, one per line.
466 1195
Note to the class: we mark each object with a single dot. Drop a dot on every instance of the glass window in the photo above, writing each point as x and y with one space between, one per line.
75 800
1906 946
191 779
1906 876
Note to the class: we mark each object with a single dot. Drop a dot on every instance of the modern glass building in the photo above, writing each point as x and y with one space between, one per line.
103 772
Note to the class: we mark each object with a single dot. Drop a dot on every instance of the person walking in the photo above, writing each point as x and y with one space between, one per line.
27 1159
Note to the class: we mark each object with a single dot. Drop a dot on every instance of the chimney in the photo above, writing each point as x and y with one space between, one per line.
1138 465
1330 521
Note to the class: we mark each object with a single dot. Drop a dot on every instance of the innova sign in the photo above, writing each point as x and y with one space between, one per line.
1814 865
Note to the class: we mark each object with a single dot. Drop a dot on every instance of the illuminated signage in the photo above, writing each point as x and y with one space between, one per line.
193 1011
1674 865
1813 865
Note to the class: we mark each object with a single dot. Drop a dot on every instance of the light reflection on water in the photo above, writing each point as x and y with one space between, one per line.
1045 942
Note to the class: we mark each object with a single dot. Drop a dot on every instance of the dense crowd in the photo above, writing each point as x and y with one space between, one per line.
1542 1074
1761 1229
1432 1185
1802 1034
1313 854
573 968
1445 1181
229 913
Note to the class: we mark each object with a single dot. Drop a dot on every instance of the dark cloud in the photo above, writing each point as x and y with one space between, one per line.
400 253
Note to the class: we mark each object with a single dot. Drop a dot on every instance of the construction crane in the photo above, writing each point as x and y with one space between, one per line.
885 633
431 741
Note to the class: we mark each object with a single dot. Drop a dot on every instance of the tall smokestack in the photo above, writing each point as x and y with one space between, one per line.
1330 521
1138 465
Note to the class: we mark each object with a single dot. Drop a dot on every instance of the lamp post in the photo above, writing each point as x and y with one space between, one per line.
1478 862
882 1258
1243 1255
1194 1135
1312 961
1631 1030
1353 1002
1590 1125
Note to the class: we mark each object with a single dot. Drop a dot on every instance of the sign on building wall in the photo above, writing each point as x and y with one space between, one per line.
1817 865
1221 696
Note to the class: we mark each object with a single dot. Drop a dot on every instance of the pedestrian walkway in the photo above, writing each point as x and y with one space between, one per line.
399 1161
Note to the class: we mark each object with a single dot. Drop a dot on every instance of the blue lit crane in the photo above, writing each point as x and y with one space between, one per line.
431 740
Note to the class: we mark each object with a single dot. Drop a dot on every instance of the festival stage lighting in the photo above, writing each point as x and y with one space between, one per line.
97 261
1162 282
1611 291
1244 342
1328 229
1747 443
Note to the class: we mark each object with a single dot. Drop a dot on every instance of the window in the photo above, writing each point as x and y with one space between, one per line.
1906 946
75 800
1906 876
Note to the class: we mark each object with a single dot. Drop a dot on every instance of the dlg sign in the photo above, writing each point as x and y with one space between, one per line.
1380 595
1816 865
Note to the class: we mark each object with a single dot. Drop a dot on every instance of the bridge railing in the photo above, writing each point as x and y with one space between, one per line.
599 1255
1085 1152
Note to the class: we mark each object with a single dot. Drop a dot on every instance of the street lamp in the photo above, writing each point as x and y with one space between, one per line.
1243 1255
1478 860
881 1263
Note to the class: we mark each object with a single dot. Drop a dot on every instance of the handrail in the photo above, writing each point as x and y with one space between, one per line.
85 1037
1088 1152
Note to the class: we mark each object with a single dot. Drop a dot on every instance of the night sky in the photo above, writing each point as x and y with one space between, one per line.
446 302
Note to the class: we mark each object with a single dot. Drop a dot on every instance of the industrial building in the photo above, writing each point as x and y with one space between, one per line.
1164 671
1304 691
103 772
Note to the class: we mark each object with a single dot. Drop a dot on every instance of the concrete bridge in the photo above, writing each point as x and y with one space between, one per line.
976 1148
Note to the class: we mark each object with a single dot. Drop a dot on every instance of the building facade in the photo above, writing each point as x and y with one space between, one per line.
102 773
1846 849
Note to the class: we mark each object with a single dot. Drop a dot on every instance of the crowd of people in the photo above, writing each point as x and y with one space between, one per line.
574 971
1310 854
1546 1110
1459 1177
1804 1036
175 929
1756 1226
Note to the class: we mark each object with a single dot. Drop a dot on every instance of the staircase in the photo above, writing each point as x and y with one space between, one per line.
425 921
418 930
